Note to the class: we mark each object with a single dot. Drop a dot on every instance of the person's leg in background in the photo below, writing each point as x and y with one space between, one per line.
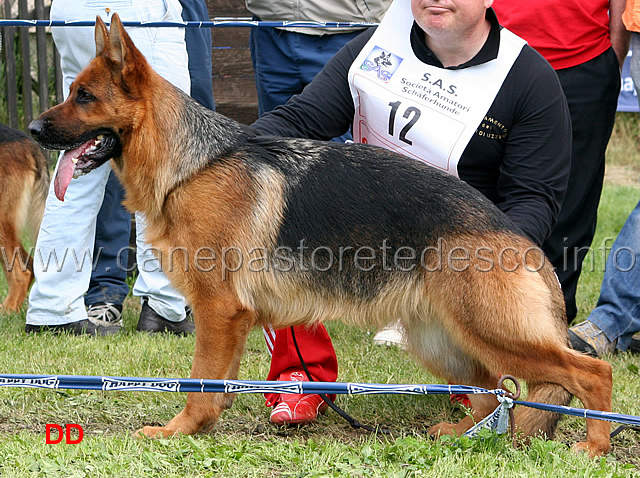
616 318
163 312
592 91
163 307
276 74
199 46
320 359
64 248
56 300
284 62
108 284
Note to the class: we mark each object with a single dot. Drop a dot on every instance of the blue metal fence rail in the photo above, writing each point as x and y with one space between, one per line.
145 384
216 22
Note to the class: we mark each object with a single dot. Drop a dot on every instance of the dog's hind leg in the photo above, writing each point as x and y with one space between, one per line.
222 327
553 372
532 422
520 329
437 351
567 373
535 348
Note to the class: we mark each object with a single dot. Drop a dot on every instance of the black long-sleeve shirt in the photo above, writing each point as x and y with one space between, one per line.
519 156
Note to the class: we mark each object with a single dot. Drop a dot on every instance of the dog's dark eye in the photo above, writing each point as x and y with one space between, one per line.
84 97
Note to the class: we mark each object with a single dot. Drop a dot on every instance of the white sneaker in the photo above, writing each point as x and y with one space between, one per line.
392 334
105 315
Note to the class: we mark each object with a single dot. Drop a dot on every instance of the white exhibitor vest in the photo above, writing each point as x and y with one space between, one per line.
421 111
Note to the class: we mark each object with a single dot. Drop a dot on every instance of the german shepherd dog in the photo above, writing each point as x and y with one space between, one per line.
296 231
24 182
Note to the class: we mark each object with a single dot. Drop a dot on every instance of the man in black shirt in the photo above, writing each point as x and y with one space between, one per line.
517 153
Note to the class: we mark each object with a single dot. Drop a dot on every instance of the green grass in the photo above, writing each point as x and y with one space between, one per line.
244 444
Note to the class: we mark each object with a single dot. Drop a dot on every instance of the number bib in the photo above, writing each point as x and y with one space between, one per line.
421 111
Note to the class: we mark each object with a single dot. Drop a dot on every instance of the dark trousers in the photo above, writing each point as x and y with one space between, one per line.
592 91
111 248
198 42
284 62
113 228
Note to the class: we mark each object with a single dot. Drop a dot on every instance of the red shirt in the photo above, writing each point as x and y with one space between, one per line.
567 33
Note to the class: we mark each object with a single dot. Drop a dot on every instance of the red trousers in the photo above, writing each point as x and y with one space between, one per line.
316 349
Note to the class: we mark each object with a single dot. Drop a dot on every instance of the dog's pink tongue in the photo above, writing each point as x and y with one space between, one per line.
64 175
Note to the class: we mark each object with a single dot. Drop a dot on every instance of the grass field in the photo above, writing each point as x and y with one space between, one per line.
244 444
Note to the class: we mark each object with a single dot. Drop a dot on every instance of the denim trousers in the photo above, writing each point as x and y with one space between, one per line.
64 248
617 312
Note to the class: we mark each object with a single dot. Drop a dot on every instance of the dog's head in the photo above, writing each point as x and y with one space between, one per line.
93 123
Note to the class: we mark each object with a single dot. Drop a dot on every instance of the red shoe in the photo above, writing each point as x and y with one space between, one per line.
296 409
460 399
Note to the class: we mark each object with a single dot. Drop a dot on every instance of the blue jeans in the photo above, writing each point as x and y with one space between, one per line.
618 310
284 62
199 52
111 249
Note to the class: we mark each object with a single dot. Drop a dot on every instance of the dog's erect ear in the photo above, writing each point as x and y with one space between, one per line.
101 35
119 40
115 43
116 47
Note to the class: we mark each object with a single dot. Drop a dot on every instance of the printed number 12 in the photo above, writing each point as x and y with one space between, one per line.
410 111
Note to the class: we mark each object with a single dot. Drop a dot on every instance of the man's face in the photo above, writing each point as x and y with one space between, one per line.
446 17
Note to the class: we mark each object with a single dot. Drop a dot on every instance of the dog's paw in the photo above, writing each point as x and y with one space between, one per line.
442 428
592 449
154 432
8 307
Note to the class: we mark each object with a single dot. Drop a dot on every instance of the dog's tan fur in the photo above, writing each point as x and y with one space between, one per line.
211 190
24 181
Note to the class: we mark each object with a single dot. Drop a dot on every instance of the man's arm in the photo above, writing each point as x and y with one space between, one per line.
619 35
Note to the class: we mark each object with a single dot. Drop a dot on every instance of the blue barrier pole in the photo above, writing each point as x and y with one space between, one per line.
145 384
225 386
216 22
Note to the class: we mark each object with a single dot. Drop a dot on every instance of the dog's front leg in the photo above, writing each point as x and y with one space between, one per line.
220 341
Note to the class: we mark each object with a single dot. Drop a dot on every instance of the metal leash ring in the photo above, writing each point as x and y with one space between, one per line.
508 393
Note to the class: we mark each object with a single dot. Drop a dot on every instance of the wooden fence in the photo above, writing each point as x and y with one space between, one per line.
32 82
26 76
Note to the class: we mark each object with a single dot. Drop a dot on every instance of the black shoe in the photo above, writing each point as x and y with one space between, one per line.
152 322
83 327
635 344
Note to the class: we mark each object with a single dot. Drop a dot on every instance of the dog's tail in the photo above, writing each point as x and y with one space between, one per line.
37 196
